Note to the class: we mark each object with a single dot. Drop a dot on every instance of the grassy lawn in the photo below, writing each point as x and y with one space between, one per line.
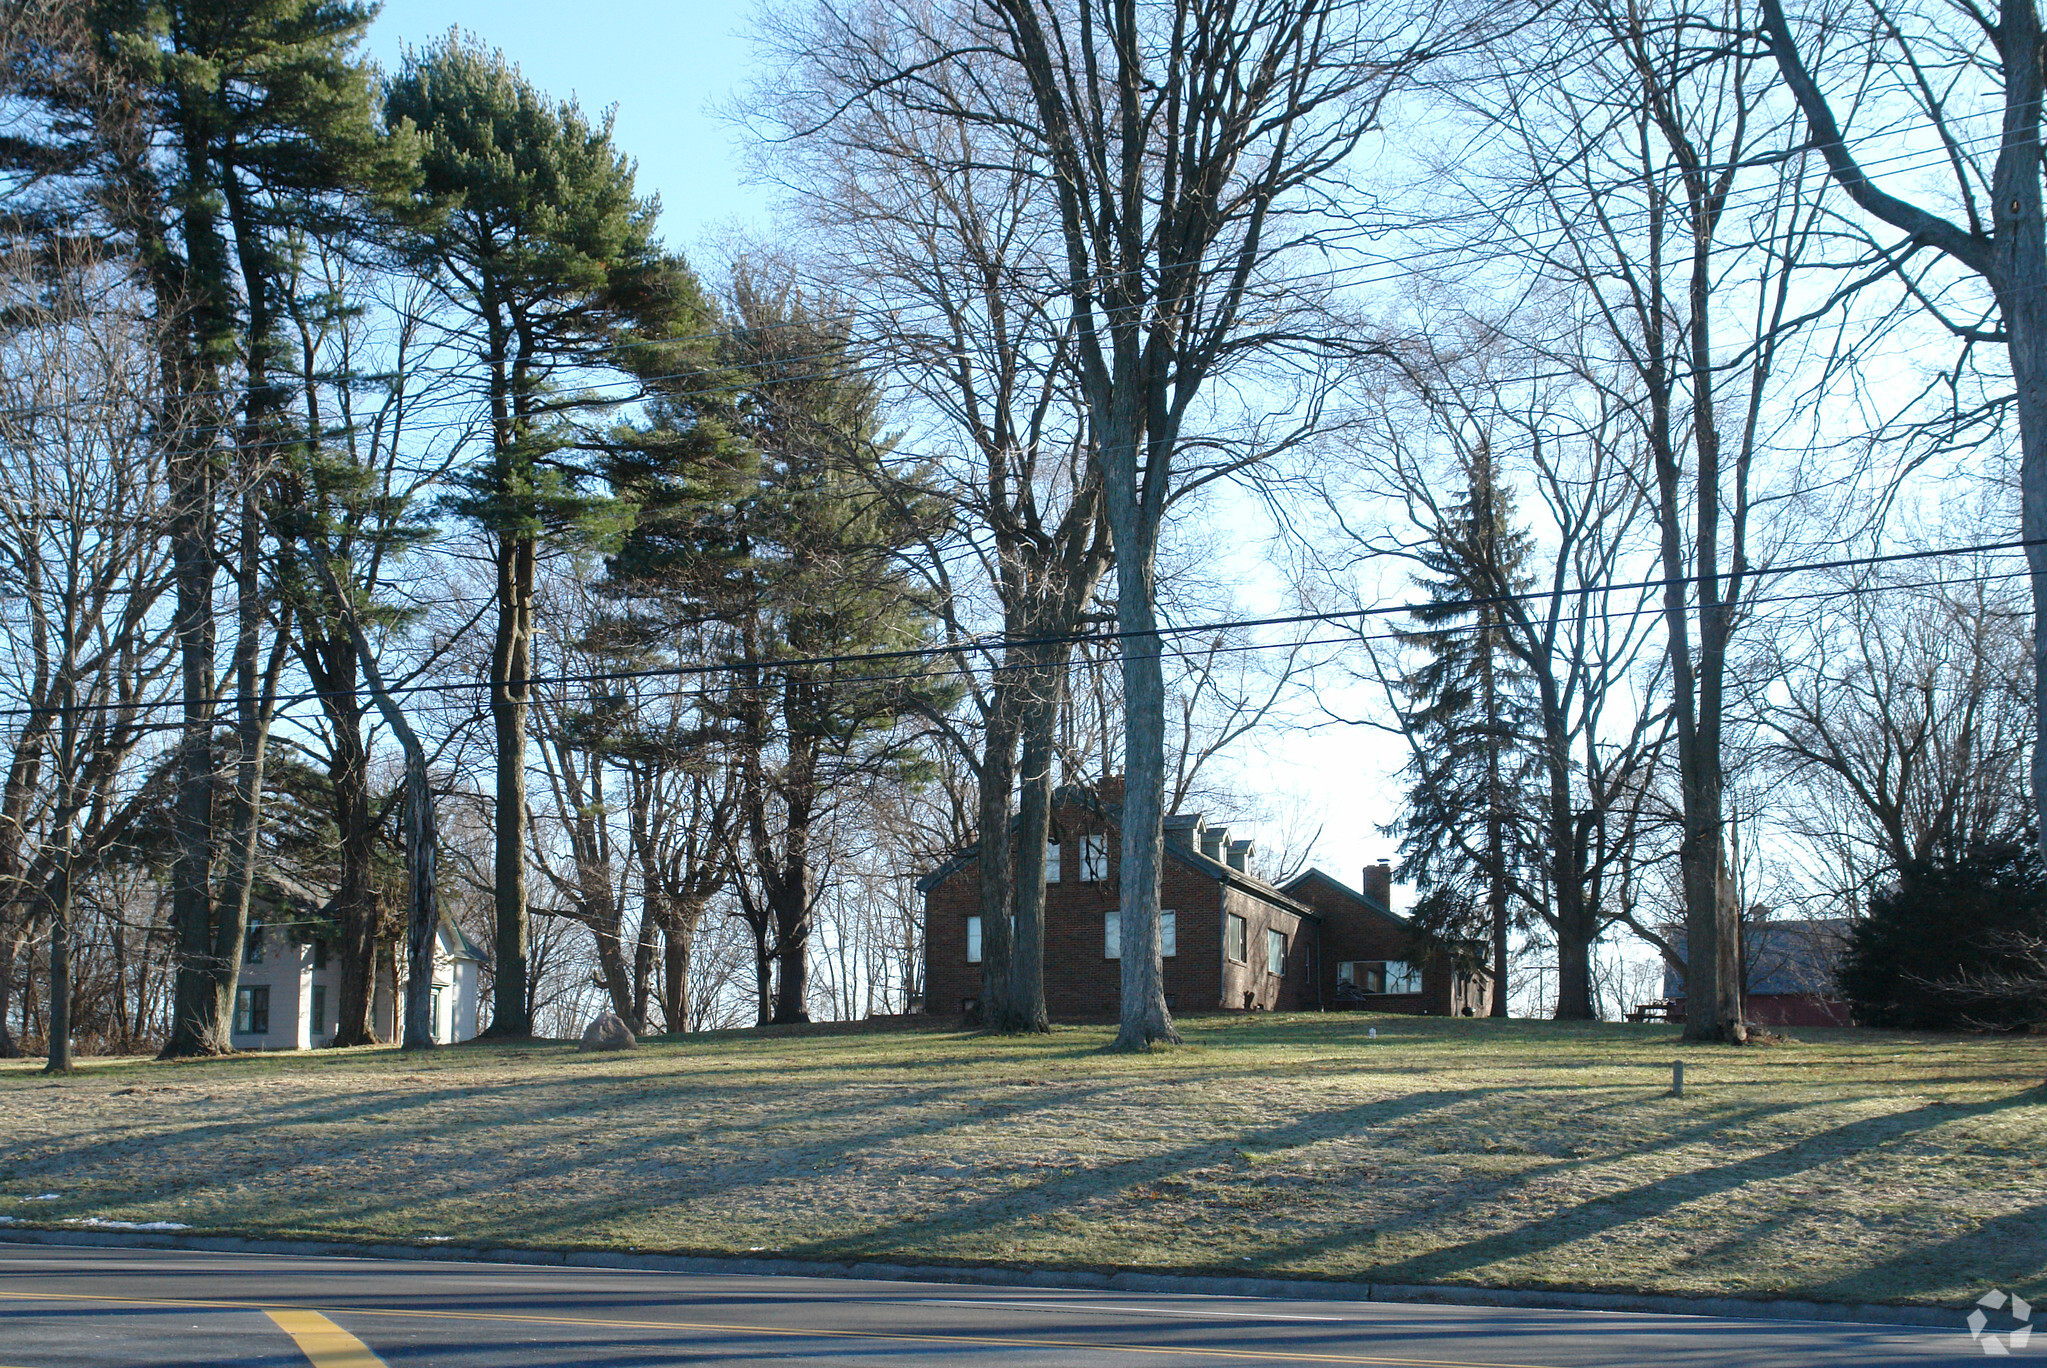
1842 1166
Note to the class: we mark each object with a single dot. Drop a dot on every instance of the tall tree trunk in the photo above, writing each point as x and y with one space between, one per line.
255 690
791 904
11 943
643 971
763 976
678 944
997 861
422 838
1496 801
511 667
60 974
197 1027
356 898
1144 1016
1040 726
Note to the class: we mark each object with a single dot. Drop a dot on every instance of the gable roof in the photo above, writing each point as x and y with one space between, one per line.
1370 904
459 944
1080 796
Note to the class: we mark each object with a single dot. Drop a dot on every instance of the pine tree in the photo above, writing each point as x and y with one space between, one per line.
791 554
1467 713
241 124
530 221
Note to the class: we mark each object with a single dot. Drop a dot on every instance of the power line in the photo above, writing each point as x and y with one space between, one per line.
984 645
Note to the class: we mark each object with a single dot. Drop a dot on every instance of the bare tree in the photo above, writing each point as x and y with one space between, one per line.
82 577
944 234
1926 67
1192 145
1651 172
1903 718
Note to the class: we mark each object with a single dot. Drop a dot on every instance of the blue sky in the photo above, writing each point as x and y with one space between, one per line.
663 66
680 59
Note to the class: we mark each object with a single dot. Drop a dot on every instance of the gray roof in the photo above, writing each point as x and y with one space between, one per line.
464 948
1785 958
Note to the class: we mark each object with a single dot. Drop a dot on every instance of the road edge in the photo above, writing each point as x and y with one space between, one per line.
1733 1308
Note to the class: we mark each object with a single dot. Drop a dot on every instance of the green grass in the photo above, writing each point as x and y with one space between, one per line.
1843 1166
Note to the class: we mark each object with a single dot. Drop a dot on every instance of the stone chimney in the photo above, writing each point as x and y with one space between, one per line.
1213 841
1240 855
1379 884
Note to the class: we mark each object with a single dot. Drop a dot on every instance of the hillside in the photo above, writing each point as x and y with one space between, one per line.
1843 1166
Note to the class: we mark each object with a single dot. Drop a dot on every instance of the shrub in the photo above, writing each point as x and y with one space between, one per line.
1956 943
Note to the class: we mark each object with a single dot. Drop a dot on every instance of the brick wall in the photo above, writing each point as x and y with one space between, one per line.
1353 931
1081 982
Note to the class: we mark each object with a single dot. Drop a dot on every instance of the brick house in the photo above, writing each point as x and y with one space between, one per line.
1369 961
1231 940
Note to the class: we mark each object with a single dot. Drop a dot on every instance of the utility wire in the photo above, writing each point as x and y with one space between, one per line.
983 645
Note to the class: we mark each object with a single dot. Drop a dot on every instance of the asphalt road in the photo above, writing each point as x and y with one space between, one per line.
112 1308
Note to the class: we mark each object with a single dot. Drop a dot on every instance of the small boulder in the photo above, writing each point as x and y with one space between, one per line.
607 1031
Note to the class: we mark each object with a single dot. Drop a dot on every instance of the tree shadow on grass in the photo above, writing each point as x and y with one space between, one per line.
1663 1196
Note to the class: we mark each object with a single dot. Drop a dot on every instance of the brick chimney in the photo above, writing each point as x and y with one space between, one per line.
1379 883
1109 791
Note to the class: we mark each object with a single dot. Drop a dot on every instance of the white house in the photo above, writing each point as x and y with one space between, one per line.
288 998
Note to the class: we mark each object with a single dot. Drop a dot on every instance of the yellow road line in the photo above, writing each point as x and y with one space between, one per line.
322 1341
891 1336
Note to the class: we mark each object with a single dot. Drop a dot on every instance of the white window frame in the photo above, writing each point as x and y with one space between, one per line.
1051 861
973 938
1094 858
1236 938
1169 934
1275 952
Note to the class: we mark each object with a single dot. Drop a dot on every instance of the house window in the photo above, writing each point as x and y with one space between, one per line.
1094 858
252 948
1169 934
252 1010
319 1008
974 939
1237 939
1275 953
434 1029
319 954
1379 976
1051 862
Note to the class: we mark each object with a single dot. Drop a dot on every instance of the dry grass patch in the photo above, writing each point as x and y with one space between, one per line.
1843 1166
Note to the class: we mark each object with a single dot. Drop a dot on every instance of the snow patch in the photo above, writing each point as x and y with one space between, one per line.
98 1224
46 1197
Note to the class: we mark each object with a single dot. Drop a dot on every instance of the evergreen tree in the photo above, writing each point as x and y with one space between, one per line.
792 556
1467 711
528 217
240 124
